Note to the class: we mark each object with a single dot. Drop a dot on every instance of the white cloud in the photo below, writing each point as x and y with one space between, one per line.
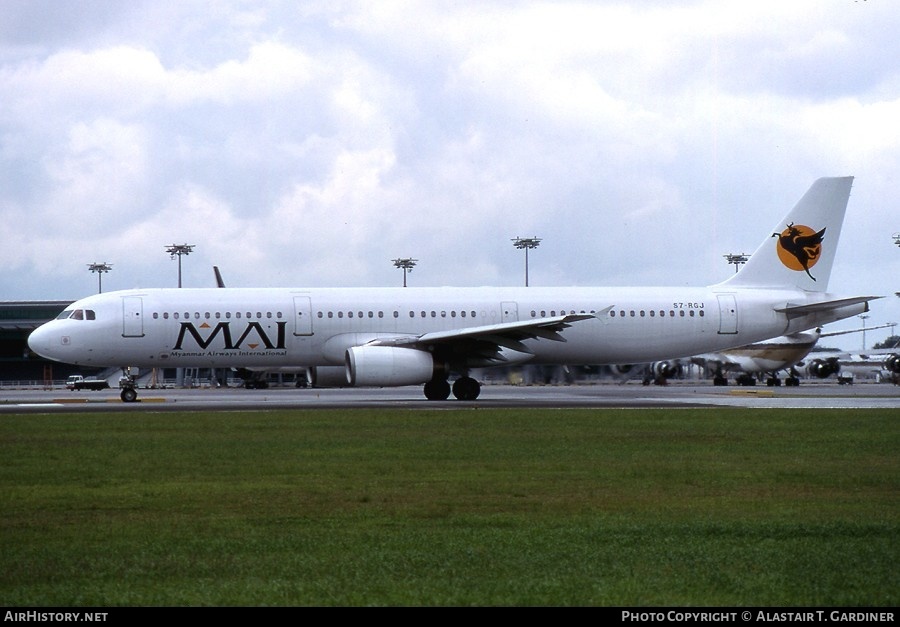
271 70
313 143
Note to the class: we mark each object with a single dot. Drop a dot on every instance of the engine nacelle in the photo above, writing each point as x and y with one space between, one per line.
665 369
327 377
823 368
892 363
385 366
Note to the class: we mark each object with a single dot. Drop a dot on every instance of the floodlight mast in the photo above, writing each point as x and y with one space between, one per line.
527 243
177 250
406 265
100 268
738 259
863 317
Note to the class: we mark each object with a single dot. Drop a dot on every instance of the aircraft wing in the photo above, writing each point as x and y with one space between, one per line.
717 361
860 330
488 342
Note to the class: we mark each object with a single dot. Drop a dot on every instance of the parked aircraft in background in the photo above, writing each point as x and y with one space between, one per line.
789 353
406 336
747 362
752 362
881 365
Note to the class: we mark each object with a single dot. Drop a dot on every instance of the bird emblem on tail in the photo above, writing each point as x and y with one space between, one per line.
799 247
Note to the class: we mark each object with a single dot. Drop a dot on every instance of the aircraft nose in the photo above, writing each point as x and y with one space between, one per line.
43 340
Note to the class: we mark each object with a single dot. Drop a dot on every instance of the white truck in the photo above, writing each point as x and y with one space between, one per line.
78 382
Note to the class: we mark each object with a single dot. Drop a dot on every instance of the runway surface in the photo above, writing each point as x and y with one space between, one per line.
816 395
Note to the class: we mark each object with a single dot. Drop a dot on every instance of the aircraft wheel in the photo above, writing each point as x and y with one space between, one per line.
128 395
437 390
466 389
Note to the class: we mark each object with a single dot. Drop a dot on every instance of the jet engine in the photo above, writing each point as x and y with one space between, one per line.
388 366
327 377
823 368
665 369
659 372
892 363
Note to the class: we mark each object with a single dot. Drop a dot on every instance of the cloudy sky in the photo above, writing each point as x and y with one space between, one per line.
306 143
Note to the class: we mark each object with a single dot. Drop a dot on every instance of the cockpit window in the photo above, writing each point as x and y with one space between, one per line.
77 314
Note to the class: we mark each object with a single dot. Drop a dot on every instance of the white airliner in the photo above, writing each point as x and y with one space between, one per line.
748 361
786 352
409 336
766 357
880 364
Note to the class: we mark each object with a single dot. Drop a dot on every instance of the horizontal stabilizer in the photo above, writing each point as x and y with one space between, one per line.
795 311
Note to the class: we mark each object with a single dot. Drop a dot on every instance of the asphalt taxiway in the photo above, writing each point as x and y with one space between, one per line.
680 394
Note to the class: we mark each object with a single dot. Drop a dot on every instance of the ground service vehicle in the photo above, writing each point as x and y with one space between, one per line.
78 382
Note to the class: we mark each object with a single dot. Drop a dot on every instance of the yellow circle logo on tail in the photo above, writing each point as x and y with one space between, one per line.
799 247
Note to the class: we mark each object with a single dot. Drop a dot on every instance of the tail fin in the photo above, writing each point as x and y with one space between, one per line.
800 251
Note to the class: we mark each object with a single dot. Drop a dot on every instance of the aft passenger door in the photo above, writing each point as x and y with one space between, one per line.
728 317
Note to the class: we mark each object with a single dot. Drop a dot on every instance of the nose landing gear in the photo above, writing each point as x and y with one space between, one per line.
128 387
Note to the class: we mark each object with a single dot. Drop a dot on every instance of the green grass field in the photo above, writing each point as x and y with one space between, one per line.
701 507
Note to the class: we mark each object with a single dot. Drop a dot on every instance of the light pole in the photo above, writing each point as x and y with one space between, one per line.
863 318
527 243
177 250
738 259
100 268
407 265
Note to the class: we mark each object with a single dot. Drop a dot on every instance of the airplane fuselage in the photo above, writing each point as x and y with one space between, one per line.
269 327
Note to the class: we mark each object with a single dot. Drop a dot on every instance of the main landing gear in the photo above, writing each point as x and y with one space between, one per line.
464 388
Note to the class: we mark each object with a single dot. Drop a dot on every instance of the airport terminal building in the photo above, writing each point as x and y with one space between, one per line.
17 363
